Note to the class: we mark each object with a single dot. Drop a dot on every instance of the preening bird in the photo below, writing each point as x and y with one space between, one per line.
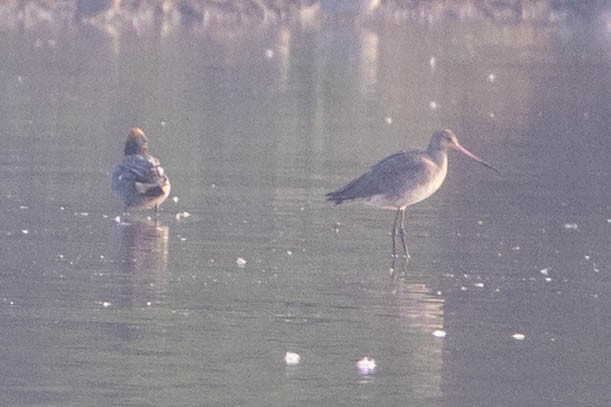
139 179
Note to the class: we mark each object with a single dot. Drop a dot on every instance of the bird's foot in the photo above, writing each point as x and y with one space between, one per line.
392 264
123 218
395 269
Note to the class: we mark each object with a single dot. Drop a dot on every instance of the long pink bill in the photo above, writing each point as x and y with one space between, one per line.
466 152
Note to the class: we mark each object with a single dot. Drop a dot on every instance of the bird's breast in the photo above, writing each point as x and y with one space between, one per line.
415 186
425 188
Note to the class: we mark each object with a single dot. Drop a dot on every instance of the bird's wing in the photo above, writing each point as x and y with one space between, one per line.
137 168
387 177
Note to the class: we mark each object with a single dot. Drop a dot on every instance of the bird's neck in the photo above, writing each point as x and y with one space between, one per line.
439 156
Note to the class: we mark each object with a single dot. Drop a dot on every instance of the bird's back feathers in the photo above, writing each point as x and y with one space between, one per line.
138 179
387 177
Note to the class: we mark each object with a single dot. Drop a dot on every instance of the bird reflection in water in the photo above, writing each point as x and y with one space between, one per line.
419 305
141 263
423 308
407 316
421 313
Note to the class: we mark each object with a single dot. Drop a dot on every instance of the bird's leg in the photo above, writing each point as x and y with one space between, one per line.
156 214
393 234
402 234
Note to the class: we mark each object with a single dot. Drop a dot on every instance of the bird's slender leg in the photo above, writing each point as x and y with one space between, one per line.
393 234
156 214
402 234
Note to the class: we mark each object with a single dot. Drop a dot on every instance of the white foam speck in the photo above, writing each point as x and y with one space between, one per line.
571 226
518 336
292 358
240 262
182 215
439 333
366 365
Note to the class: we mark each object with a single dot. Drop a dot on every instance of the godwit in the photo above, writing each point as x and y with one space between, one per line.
403 179
139 179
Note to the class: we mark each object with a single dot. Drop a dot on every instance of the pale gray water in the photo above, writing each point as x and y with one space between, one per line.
253 129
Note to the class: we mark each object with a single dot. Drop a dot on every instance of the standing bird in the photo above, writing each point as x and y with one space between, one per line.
403 179
139 179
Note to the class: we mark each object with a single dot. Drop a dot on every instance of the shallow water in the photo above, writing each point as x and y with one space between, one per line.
253 128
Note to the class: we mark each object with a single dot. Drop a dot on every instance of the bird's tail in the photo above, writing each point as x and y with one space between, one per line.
335 197
148 189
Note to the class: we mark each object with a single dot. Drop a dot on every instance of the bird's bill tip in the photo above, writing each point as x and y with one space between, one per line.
469 154
485 164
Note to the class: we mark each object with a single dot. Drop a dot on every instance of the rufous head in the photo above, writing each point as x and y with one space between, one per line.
136 143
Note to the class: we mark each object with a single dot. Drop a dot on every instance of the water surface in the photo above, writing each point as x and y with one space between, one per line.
253 128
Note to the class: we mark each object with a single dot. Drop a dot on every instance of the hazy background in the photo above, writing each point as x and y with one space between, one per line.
254 125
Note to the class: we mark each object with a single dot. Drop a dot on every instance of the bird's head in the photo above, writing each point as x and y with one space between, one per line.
446 139
136 143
